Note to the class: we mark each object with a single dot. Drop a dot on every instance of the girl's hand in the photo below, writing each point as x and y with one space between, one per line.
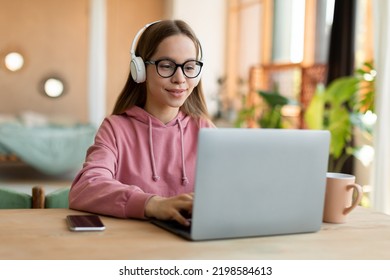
170 208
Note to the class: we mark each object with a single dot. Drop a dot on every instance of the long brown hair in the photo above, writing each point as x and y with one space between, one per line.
135 94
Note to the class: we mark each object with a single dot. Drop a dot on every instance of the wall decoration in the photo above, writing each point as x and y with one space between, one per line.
53 87
14 61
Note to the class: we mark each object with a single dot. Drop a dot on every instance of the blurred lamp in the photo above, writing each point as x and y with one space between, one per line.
53 87
14 61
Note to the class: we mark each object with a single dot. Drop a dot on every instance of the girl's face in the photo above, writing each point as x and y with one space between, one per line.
166 95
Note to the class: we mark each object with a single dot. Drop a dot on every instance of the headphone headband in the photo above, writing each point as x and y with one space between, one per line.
139 33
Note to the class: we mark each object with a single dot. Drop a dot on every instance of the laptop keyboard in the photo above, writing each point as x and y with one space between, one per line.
176 226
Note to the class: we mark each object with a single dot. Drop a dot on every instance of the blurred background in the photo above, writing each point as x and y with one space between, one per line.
286 64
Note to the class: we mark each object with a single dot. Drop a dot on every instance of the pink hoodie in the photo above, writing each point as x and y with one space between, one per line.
134 157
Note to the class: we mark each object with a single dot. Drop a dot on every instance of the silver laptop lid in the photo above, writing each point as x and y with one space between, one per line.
254 182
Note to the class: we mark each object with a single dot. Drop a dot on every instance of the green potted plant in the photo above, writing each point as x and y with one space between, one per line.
339 108
268 115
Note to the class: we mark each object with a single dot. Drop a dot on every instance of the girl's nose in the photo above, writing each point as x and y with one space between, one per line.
178 76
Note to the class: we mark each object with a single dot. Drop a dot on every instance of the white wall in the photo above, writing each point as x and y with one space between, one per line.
249 38
208 19
97 62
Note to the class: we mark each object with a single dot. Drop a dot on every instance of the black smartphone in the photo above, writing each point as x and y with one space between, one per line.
85 223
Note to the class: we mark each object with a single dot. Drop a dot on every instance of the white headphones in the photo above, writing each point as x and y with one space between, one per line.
137 65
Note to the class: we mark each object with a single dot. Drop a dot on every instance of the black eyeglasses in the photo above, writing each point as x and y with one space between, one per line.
167 68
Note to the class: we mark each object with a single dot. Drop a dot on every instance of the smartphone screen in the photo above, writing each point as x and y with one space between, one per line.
85 223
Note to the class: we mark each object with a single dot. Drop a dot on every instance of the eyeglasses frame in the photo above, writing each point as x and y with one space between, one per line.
156 62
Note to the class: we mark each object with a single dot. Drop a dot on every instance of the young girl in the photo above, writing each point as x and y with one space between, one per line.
142 163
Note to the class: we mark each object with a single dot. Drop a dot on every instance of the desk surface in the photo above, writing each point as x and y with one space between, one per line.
43 234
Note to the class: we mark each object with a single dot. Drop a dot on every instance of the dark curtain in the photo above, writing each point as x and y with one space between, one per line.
342 49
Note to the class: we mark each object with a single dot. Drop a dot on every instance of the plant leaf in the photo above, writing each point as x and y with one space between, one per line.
341 90
273 99
340 129
314 114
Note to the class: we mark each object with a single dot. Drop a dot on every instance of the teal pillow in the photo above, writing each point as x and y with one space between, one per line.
10 199
58 198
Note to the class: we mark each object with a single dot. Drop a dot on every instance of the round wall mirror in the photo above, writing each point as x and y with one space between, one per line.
14 61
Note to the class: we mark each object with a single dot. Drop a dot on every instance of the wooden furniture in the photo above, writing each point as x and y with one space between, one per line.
52 148
43 234
11 199
293 80
38 197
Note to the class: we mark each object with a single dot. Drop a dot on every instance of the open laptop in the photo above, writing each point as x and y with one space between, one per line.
257 182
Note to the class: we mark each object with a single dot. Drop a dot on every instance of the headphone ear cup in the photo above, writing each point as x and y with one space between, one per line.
137 69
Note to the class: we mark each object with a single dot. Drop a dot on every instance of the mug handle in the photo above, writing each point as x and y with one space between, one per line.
358 198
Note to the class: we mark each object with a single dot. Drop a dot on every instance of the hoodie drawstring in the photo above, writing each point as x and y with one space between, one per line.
155 176
184 178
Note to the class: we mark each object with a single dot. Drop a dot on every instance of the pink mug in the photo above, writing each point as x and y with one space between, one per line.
340 199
